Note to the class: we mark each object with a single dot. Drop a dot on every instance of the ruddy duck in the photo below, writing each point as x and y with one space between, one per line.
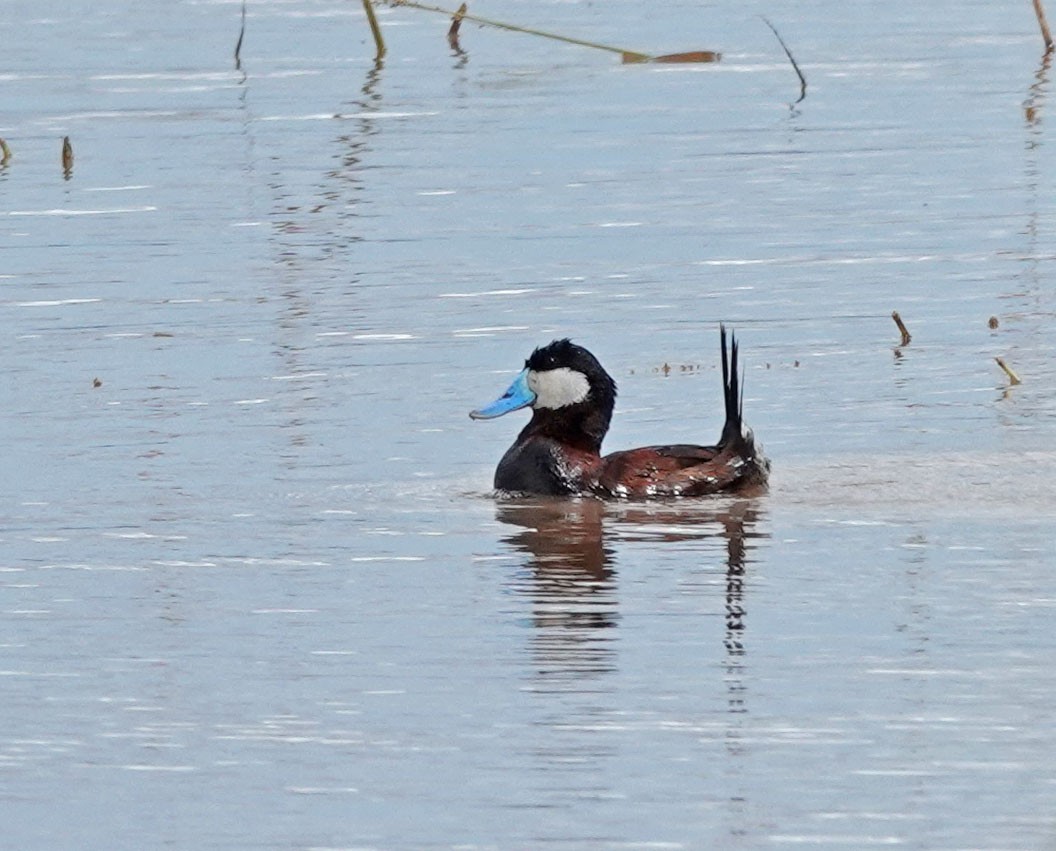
559 451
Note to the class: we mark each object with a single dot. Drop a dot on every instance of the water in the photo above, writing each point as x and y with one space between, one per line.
255 590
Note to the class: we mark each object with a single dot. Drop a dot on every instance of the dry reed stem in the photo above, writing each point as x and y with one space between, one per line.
241 34
1039 10
456 22
379 42
628 56
901 327
515 28
791 58
1012 377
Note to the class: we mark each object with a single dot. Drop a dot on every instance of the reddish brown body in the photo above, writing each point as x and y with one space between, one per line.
677 470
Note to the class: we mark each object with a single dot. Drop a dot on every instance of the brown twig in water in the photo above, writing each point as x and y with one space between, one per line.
901 327
241 34
67 157
688 56
791 58
456 22
375 29
1039 10
1012 377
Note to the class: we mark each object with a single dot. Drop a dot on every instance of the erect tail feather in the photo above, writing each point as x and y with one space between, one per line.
733 429
748 464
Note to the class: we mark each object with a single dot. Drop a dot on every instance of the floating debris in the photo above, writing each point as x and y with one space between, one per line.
668 368
96 383
993 323
688 56
903 330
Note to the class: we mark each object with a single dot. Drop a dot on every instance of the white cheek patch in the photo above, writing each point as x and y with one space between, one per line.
557 388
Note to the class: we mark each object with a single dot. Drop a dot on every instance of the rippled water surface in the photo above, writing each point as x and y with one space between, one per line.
254 589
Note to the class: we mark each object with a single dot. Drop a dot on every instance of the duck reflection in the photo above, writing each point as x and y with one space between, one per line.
571 582
570 573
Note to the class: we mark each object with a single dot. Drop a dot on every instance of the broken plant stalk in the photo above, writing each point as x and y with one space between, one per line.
372 19
628 56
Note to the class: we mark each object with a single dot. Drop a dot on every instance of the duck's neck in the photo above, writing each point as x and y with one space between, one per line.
577 426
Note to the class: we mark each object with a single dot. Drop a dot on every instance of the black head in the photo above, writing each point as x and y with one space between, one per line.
563 375
570 393
563 353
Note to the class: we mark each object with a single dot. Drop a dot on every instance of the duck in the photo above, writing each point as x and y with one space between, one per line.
572 399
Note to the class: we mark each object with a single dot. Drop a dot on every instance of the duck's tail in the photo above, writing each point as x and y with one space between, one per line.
736 437
733 429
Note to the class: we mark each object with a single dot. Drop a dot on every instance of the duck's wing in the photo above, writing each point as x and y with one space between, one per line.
686 454
671 470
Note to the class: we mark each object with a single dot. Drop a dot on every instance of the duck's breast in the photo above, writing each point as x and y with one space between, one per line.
541 465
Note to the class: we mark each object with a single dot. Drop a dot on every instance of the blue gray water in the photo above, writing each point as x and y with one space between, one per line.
254 589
